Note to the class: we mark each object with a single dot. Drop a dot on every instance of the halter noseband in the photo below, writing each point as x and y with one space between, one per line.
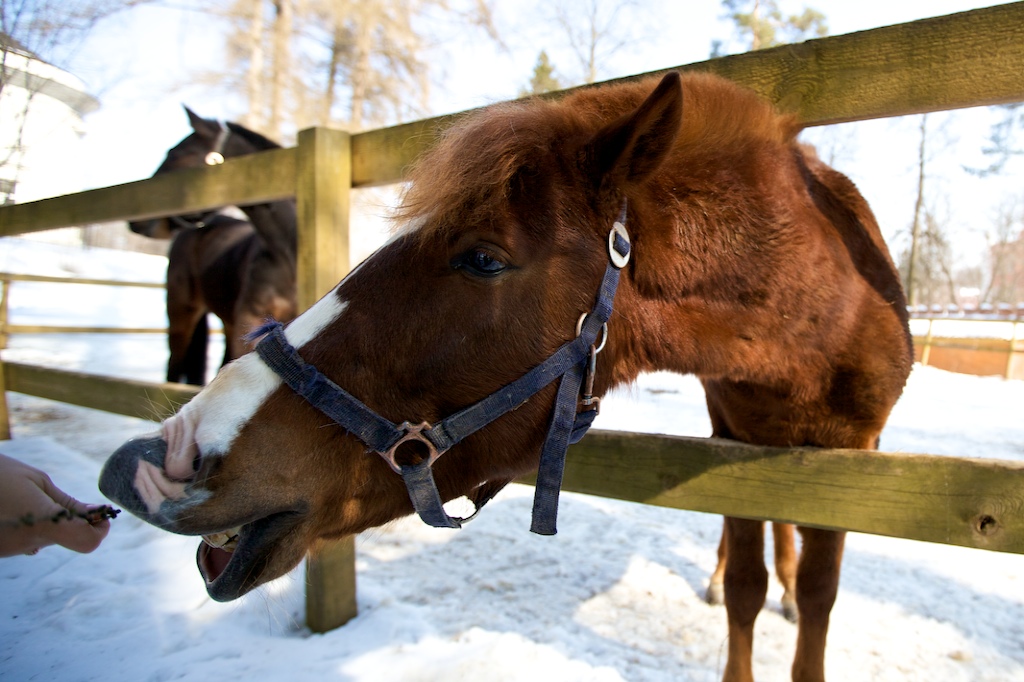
574 362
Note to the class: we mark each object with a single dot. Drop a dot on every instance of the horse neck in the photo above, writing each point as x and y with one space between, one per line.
722 285
275 223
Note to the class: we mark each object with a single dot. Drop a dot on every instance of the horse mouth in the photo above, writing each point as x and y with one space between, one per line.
234 561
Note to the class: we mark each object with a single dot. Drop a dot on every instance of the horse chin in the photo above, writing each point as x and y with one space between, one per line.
238 560
154 228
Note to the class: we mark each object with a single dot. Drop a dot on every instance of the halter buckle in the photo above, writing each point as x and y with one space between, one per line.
412 433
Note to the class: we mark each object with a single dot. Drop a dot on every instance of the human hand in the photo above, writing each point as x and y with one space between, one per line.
34 513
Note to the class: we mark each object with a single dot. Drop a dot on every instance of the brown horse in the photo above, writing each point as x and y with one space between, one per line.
242 272
747 262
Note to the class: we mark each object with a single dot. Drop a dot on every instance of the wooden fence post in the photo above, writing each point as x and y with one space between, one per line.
5 415
927 350
5 288
323 186
1011 351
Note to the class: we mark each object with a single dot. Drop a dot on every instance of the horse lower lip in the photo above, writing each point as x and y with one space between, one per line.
238 563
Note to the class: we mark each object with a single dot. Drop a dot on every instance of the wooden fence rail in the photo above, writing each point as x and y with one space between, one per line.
6 328
968 59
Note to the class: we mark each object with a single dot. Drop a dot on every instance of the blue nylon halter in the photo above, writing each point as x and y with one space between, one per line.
574 362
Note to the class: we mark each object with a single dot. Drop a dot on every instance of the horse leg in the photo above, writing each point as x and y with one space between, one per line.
716 587
817 583
746 583
182 321
785 567
195 355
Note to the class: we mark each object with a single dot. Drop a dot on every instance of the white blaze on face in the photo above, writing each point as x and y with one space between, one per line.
213 419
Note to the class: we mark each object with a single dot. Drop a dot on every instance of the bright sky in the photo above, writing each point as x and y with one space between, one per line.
141 65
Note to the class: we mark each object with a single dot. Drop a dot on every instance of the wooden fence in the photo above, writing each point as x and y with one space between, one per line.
980 355
968 59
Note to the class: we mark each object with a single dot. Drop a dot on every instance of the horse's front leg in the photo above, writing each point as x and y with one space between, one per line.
817 583
785 567
746 583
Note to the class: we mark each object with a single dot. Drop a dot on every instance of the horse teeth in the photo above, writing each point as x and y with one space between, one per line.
226 540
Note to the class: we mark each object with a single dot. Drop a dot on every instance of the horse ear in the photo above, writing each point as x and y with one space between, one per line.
201 125
630 149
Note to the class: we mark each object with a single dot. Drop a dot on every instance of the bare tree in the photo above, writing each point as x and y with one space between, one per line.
597 29
910 282
349 63
928 263
1005 271
1002 144
932 280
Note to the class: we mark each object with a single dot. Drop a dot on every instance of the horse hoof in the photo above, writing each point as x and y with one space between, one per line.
790 611
715 594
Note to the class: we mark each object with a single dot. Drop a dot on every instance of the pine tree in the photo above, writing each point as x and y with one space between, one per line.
544 79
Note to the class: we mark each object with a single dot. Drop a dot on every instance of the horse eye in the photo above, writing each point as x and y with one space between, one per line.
481 263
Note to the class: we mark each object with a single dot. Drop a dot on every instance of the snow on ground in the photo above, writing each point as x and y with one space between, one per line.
616 595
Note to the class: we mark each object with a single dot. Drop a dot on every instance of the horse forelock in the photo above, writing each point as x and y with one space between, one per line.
470 173
473 167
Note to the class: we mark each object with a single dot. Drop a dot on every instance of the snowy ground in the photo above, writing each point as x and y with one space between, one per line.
616 595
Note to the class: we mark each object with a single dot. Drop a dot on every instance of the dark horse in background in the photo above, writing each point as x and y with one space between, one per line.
748 262
241 271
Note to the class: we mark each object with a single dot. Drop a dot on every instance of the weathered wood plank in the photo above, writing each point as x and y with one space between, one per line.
970 502
5 413
251 179
961 60
53 329
322 211
141 399
10 277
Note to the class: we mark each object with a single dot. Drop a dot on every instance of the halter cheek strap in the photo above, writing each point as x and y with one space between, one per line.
574 362
214 157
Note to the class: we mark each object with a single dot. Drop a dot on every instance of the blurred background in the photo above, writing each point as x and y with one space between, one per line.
91 96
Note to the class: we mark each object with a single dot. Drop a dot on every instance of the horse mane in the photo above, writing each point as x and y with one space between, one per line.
477 160
257 140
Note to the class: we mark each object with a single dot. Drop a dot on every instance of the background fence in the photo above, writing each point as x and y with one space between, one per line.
981 347
968 59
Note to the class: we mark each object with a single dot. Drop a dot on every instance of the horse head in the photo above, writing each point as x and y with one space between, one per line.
209 144
503 245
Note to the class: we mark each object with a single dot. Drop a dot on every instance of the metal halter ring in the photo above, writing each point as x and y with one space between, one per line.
598 347
619 260
214 159
411 433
